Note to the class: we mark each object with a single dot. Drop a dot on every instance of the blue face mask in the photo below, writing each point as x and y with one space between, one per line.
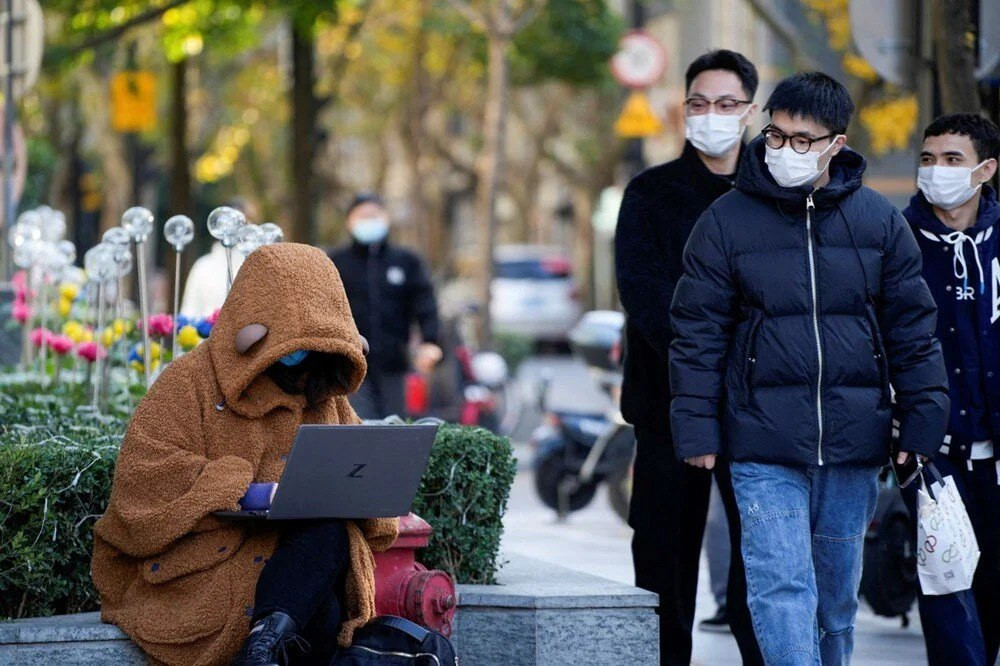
294 358
370 231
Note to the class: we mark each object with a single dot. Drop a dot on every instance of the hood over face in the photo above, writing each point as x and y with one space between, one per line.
921 213
294 292
846 170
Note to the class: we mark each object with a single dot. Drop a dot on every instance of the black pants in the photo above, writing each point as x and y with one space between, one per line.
668 511
305 579
382 394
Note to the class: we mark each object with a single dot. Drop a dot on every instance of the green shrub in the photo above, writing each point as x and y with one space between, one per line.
56 467
463 495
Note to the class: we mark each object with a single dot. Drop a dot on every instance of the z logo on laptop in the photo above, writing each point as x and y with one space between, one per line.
355 473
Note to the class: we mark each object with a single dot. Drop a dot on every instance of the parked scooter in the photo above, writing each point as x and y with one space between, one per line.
577 451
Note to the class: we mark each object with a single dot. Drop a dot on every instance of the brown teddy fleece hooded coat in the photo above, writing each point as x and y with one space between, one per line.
176 579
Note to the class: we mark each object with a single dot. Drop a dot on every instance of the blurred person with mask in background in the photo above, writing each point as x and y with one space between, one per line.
205 288
389 290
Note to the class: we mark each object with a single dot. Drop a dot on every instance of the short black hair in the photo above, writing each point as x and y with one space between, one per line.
362 198
731 61
816 96
984 133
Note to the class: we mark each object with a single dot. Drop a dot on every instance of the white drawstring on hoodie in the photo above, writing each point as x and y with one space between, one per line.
957 240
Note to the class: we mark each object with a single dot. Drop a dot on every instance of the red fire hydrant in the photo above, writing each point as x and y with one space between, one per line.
406 588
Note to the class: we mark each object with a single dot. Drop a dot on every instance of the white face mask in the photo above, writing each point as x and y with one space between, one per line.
792 169
371 230
947 187
714 134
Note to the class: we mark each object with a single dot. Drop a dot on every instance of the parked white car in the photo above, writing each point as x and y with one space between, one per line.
533 293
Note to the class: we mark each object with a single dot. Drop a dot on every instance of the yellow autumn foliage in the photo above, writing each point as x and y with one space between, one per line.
890 123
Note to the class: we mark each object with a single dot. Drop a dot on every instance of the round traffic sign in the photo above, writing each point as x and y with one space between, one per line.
641 60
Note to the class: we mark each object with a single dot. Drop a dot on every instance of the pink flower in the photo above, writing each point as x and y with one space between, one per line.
20 280
60 344
212 318
41 336
21 312
161 325
88 351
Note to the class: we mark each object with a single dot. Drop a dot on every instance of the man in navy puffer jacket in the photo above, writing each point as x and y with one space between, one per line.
801 302
955 218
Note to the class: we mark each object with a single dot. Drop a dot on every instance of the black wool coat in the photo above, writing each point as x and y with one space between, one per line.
658 212
796 312
389 290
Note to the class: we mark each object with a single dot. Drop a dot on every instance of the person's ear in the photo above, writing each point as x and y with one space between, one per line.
750 116
839 143
988 170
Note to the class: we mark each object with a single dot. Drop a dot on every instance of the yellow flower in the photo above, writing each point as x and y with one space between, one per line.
188 338
65 307
154 350
74 331
107 337
68 291
119 327
88 336
137 365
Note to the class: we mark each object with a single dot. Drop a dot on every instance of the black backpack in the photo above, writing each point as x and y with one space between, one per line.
889 576
395 640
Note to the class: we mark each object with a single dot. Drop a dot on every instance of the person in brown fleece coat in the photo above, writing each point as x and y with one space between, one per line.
183 583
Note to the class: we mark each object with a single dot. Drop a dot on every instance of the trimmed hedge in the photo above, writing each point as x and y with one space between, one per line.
56 467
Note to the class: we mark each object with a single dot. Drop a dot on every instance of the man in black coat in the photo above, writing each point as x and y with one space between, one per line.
389 291
659 209
801 302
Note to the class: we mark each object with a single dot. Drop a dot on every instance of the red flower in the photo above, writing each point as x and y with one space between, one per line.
212 318
161 325
88 351
60 344
41 336
21 312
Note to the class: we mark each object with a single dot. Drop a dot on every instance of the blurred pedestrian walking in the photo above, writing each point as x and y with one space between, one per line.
390 292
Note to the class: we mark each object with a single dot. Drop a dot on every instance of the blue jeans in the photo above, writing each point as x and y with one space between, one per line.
803 540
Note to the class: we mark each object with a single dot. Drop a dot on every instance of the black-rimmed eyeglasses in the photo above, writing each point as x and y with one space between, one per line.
696 106
801 144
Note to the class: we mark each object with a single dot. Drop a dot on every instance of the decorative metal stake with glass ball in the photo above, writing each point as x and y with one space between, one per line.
138 222
179 232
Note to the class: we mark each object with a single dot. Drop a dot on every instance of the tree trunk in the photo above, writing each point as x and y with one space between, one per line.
493 159
304 112
415 137
955 56
180 167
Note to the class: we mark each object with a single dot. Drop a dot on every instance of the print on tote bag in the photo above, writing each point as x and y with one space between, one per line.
947 550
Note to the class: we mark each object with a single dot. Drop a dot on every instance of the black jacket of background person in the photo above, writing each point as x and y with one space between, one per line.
389 289
658 212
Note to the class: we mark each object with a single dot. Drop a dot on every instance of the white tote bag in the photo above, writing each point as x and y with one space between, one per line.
947 550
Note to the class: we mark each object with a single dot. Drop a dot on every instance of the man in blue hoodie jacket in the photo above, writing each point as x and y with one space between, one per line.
801 301
955 216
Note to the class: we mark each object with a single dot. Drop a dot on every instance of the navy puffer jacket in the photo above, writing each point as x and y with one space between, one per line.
796 311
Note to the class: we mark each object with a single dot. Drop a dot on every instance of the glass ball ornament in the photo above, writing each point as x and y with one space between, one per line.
272 233
138 222
99 262
51 259
116 236
23 232
248 239
27 252
68 250
123 262
52 224
224 223
179 231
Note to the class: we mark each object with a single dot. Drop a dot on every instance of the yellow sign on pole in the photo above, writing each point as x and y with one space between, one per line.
637 119
133 101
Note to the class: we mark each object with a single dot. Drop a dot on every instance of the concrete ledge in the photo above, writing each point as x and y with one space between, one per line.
539 613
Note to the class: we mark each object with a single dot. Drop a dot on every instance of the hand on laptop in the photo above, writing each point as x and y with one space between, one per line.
258 496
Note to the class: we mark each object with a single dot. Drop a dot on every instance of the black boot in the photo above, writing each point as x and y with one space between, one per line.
267 644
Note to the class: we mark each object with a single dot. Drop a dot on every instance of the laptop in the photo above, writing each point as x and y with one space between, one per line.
349 471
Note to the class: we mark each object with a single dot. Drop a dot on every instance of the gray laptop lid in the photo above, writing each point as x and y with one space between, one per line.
353 471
